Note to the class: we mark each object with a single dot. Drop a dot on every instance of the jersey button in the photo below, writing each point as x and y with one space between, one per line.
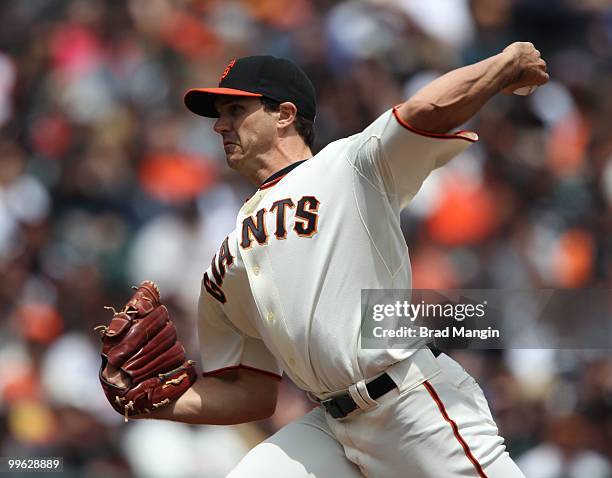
256 270
270 317
292 362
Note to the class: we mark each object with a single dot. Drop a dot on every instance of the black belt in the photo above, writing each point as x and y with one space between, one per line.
342 405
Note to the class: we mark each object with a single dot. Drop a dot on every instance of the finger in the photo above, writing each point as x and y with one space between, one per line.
543 78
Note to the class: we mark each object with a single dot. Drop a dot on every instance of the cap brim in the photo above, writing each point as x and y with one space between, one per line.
201 101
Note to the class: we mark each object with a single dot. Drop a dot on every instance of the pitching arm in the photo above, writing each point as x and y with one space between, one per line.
452 99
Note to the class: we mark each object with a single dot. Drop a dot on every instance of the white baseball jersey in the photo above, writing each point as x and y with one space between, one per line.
284 291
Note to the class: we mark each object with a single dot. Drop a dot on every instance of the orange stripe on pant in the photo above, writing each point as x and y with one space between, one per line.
455 428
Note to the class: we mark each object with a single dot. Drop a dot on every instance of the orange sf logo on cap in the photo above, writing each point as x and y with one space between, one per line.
229 66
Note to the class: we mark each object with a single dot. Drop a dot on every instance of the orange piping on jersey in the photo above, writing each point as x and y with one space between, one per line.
235 367
464 134
455 428
272 183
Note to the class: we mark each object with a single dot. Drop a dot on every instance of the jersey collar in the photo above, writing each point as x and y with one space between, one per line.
280 174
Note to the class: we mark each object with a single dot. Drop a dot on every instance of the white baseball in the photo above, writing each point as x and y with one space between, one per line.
525 90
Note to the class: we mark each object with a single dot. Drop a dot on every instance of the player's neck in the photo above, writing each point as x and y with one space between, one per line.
284 153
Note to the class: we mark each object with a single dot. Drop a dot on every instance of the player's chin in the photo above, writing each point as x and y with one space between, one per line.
233 160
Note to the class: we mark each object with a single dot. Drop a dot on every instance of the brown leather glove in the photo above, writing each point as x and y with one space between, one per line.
143 364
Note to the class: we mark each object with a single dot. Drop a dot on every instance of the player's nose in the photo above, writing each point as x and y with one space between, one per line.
222 125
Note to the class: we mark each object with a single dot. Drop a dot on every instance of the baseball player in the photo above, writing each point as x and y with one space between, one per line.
282 294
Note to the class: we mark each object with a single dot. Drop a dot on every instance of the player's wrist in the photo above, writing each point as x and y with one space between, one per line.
509 61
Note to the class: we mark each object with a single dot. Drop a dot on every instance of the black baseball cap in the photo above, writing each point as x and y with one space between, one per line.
258 76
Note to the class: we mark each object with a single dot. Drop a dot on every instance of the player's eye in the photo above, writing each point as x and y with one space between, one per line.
235 109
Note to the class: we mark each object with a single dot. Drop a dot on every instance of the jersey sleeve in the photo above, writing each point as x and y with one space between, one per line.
396 158
224 347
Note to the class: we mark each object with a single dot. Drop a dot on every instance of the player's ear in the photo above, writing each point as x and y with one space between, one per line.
287 114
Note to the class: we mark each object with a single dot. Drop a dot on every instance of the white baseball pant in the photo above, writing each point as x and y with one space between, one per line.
436 426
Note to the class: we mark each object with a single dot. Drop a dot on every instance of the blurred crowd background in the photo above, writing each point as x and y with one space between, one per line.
107 179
